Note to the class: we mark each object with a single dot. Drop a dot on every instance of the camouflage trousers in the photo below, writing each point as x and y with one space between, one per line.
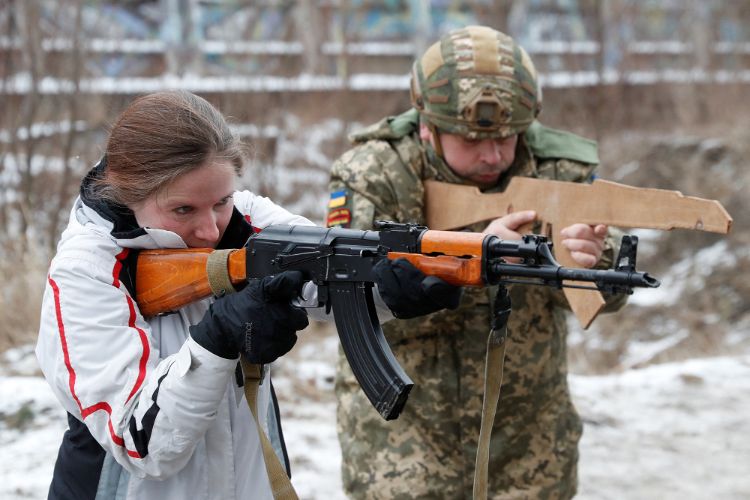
430 450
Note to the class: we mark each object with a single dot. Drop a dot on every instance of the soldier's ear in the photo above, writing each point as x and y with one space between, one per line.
424 133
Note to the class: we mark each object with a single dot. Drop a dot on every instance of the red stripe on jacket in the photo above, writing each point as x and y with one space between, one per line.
85 412
118 266
144 345
249 221
119 258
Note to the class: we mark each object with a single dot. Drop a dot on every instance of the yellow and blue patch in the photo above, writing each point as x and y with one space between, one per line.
338 199
339 213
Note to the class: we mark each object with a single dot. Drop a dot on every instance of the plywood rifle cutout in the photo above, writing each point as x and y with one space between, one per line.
559 204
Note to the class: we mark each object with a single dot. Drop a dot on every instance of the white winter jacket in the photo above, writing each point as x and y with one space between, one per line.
167 417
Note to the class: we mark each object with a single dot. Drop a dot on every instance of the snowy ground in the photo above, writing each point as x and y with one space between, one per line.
671 431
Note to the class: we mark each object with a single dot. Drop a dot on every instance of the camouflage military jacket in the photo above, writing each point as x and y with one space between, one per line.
534 443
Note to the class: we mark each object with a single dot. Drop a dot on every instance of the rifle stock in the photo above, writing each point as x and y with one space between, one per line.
340 262
167 280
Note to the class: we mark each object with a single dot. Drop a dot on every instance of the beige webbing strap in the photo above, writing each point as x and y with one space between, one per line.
218 273
438 145
493 380
281 486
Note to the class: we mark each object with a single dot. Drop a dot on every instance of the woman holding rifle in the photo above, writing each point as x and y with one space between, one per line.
154 403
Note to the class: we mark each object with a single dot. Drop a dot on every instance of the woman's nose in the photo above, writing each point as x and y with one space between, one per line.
207 229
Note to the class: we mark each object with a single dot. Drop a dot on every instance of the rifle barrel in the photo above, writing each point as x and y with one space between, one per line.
556 275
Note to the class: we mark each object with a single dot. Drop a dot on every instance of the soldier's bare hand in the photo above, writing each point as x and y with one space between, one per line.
506 227
585 243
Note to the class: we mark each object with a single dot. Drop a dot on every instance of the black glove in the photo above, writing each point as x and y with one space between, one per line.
408 293
259 321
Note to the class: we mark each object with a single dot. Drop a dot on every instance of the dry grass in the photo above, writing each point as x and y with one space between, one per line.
22 273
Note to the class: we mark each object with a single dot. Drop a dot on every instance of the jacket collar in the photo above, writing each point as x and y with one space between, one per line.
119 219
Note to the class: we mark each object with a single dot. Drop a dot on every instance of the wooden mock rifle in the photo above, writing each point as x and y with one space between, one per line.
559 204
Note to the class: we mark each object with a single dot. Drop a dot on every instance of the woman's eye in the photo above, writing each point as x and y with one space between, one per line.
183 210
224 201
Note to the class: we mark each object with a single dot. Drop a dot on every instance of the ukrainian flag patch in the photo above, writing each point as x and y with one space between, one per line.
340 208
338 199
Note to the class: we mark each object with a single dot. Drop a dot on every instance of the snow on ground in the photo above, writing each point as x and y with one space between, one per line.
31 425
671 431
698 266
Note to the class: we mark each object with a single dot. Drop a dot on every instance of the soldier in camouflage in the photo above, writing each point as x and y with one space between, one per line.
476 99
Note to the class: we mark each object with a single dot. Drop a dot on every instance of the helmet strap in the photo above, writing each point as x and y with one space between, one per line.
437 143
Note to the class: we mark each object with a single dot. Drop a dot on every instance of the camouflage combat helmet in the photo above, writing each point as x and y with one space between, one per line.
478 83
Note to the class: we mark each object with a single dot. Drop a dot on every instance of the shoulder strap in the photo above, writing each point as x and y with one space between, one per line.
546 142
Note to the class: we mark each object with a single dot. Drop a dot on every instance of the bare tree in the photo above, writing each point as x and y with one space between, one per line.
603 33
5 118
75 74
420 13
309 28
181 29
38 190
38 135
340 36
495 14
517 18
700 16
27 22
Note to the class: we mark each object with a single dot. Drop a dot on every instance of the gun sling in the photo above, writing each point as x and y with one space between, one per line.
281 485
221 284
493 380
216 270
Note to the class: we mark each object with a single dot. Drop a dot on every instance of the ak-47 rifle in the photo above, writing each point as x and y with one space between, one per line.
340 262
559 204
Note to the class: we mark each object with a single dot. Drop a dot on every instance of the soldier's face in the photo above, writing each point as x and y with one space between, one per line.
481 161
